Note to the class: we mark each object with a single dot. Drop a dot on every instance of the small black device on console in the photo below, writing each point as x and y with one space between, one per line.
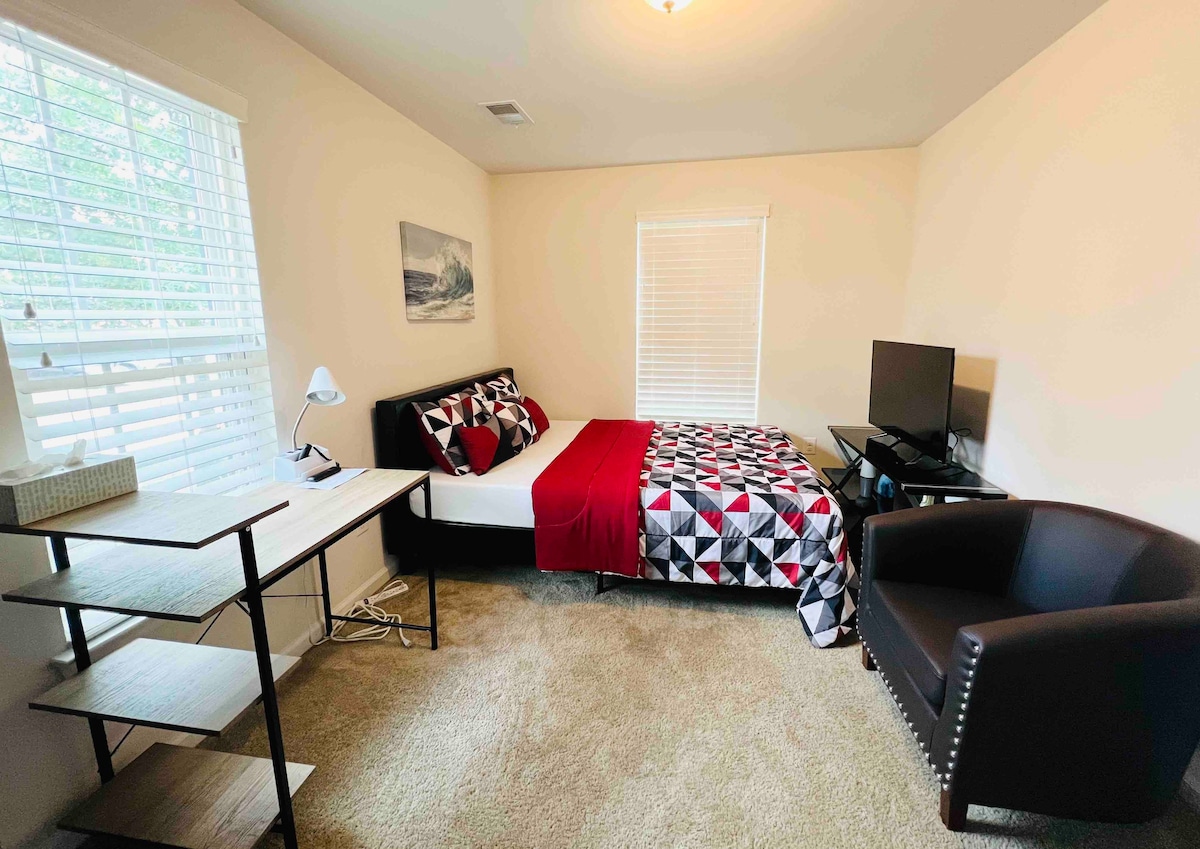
911 388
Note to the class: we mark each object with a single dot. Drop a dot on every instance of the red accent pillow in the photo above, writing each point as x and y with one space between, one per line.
480 443
439 423
540 420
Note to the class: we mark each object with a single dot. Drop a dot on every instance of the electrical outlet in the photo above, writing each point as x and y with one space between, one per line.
808 445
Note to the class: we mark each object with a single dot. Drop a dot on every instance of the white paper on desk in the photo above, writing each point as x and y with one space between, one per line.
333 481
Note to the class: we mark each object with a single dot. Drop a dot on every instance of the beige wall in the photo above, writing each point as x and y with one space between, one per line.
331 172
837 255
43 761
1057 244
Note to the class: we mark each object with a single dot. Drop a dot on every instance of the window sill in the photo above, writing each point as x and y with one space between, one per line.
102 644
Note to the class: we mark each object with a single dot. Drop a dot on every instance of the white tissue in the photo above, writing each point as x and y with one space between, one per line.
25 470
75 456
46 463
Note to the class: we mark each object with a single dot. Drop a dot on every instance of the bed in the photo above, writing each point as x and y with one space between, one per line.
666 501
503 498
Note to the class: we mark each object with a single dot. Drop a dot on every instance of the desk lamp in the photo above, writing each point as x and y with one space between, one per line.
305 461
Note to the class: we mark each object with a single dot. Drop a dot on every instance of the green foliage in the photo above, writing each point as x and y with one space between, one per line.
136 206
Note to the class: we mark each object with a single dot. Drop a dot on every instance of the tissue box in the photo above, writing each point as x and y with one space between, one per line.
66 488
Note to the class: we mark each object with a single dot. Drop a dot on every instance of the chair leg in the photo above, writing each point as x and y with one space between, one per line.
953 811
868 664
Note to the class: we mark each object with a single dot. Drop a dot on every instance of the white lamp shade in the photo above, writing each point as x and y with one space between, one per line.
323 390
669 6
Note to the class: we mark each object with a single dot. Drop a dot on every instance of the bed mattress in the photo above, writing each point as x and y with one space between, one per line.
504 496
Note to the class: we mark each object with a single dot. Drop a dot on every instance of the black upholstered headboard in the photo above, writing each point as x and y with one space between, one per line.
397 440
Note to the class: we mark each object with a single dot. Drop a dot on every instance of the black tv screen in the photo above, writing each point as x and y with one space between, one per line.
911 386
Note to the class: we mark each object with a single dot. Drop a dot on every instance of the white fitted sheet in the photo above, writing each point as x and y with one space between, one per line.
502 496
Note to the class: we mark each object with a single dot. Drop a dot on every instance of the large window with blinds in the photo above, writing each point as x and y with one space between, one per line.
129 293
699 307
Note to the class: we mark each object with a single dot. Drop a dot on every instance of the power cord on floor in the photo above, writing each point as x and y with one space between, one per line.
369 608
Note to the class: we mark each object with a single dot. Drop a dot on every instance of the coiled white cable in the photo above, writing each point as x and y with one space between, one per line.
369 608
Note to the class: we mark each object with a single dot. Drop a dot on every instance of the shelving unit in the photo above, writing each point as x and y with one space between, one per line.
191 798
171 795
210 687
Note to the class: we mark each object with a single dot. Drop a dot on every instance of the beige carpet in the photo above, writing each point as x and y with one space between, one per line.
642 718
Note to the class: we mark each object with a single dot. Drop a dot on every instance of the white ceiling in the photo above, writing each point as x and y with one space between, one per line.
615 82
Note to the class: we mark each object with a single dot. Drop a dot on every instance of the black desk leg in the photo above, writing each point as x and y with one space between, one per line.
266 677
433 634
83 659
325 593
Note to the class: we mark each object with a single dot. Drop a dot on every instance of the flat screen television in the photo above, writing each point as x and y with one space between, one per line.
911 387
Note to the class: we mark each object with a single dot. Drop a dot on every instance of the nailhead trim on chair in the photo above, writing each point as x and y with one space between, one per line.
962 715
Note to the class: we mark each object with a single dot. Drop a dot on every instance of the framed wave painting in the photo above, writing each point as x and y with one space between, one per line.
438 282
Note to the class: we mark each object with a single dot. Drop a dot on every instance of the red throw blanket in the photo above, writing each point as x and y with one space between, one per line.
585 504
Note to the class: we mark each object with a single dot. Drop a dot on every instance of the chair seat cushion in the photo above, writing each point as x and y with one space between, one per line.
921 621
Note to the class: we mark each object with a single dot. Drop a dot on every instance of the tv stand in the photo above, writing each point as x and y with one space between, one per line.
918 478
914 474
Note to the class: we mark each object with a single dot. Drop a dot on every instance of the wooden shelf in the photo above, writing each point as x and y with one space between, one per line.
191 586
188 586
170 519
187 798
178 686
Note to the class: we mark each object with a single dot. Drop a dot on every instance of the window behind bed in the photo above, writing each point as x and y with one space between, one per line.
698 314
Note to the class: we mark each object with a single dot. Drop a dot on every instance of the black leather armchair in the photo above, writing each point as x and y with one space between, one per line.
1045 656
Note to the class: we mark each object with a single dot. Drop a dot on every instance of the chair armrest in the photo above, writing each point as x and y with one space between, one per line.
1101 704
970 546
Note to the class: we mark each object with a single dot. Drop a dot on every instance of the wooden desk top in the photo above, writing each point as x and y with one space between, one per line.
193 585
169 519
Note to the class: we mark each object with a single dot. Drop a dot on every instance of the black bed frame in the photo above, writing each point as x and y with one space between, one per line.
397 434
398 445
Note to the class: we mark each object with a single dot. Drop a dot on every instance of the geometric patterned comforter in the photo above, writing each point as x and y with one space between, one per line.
738 504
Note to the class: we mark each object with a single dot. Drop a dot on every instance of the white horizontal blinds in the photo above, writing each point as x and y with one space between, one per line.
699 305
128 286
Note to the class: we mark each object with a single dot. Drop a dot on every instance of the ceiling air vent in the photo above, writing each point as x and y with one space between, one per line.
508 112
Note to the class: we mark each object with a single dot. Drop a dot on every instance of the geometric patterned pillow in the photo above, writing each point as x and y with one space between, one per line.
500 388
517 430
440 423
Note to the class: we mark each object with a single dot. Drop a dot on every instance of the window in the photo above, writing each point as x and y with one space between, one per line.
699 305
129 293
131 307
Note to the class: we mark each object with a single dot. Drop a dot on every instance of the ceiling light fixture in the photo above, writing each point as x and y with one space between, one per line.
669 6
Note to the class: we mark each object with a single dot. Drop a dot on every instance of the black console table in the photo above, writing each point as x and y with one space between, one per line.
914 475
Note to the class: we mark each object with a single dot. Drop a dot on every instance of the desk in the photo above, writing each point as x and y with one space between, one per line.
189 585
316 519
186 557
